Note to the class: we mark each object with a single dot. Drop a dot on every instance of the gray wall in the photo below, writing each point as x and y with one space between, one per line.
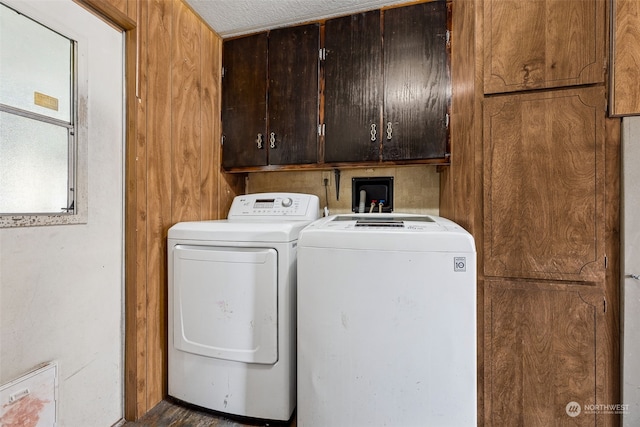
631 265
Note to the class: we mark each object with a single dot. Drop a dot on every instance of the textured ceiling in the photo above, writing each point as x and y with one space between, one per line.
231 18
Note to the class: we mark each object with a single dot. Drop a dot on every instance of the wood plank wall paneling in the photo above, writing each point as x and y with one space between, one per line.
159 35
173 65
625 55
611 334
210 75
185 115
136 229
461 182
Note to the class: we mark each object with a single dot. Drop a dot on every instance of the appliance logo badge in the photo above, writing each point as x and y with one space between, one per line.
460 264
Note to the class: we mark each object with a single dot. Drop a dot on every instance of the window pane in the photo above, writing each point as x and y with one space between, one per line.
34 166
35 67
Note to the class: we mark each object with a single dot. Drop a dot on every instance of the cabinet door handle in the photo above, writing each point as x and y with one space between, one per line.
259 141
389 130
373 132
272 140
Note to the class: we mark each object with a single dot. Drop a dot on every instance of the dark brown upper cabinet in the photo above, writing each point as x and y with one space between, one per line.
353 88
244 101
543 44
387 85
270 98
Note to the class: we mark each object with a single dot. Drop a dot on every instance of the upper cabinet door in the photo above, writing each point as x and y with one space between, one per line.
293 95
353 88
417 82
543 44
544 185
244 102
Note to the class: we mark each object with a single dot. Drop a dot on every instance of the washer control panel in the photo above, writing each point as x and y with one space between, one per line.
275 205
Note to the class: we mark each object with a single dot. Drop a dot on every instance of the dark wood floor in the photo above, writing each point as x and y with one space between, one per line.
171 413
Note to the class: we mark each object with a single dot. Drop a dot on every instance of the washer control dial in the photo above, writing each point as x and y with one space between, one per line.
287 202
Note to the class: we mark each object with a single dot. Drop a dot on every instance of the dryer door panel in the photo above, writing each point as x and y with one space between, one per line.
225 302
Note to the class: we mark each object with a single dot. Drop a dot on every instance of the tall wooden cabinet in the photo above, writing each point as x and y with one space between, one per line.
549 271
545 259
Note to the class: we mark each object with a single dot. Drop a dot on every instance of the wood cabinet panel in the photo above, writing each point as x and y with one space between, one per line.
543 44
544 185
244 101
387 93
353 88
270 98
541 353
417 82
625 58
293 95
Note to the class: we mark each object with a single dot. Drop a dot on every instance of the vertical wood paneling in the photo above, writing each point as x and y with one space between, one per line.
159 197
118 12
136 299
135 235
625 58
185 115
460 183
609 353
210 133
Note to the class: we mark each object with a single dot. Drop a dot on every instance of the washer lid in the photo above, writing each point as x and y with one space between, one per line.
388 232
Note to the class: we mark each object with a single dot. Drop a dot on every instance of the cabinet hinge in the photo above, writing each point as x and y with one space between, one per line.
606 262
322 54
222 140
448 38
321 129
446 121
223 70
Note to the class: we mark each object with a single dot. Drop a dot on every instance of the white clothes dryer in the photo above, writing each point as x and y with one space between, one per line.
232 287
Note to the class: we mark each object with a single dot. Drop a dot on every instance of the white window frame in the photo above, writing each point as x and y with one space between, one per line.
78 158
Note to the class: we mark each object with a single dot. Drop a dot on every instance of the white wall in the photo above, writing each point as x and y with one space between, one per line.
61 287
631 265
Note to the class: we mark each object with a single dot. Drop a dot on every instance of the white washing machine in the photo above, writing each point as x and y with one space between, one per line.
386 322
232 287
